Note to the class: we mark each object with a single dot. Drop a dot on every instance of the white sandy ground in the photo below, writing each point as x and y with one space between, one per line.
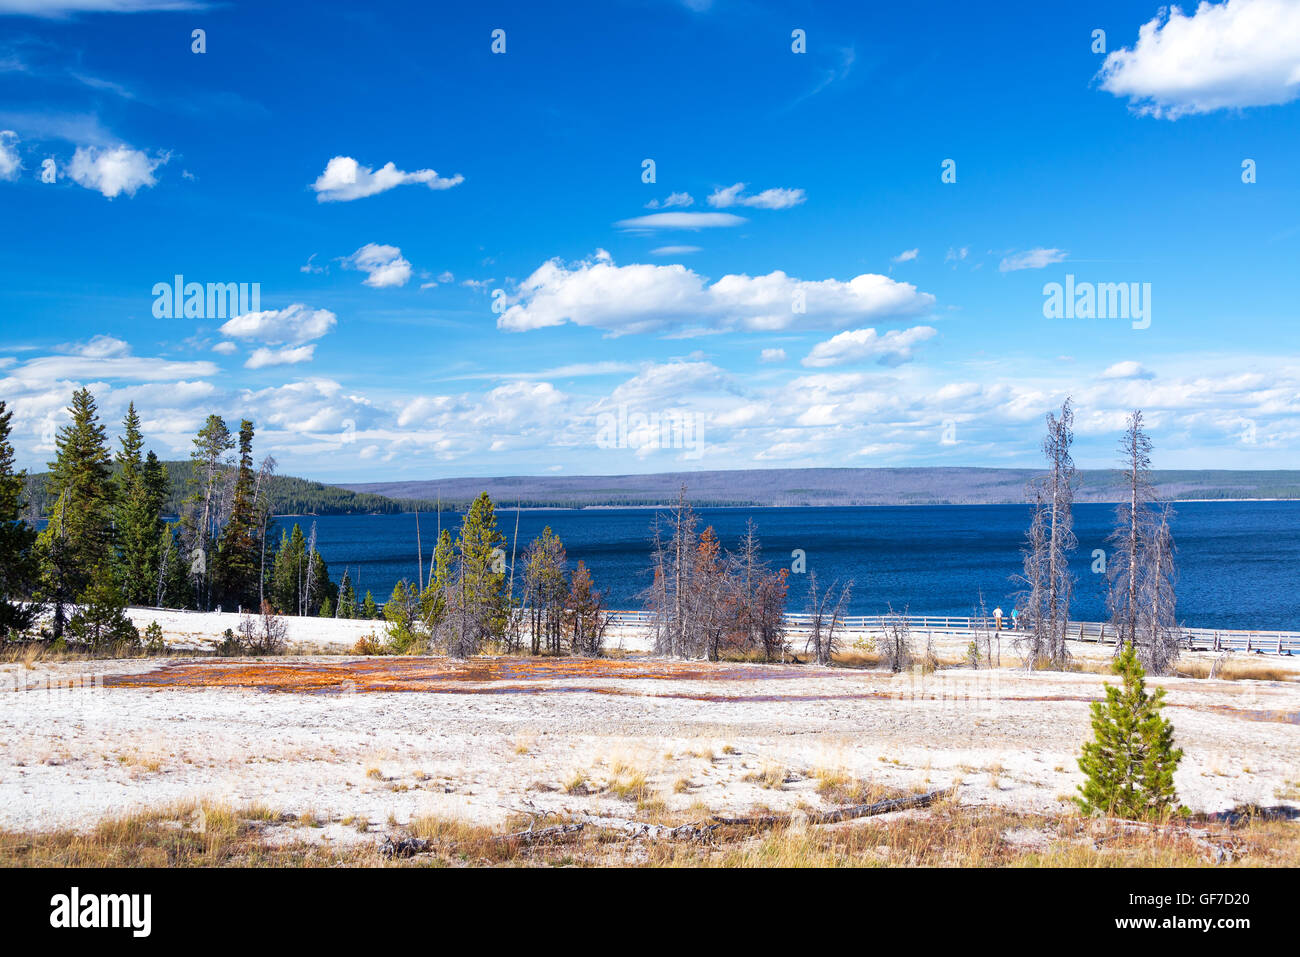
69 757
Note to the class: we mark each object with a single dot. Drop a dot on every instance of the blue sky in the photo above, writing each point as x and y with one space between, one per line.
797 287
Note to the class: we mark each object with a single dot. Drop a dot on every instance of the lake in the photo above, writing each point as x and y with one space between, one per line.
1239 562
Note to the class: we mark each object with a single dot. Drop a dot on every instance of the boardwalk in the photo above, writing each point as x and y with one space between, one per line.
1195 639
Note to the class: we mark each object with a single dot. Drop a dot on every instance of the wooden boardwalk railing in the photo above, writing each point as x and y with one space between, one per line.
1194 639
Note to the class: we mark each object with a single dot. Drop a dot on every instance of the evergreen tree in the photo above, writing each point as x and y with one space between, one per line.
322 589
481 549
101 618
137 515
18 568
203 511
402 612
369 610
1131 761
347 604
288 572
239 549
80 532
326 608
173 581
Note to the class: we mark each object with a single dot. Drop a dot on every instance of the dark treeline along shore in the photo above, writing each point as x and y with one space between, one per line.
106 541
784 488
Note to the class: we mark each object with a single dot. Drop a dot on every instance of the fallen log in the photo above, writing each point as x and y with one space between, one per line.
843 813
543 834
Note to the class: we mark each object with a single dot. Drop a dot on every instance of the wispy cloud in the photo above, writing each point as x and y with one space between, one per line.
1031 259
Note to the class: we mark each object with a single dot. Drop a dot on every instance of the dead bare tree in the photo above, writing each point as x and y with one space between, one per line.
262 634
1159 636
1048 582
669 600
895 641
1131 520
827 614
1141 570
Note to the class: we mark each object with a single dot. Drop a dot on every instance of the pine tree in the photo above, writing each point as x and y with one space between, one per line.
203 511
289 572
80 532
482 580
101 618
239 550
369 610
347 605
1130 763
137 515
322 589
402 612
18 568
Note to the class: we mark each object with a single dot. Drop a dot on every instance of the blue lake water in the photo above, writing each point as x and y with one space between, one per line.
1239 562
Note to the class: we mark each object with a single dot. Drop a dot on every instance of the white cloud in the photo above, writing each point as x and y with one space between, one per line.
97 347
1224 56
906 256
956 255
772 355
58 9
290 355
768 199
292 325
1127 370
346 179
383 265
1032 259
674 250
225 348
681 221
649 298
857 345
113 171
10 164
674 199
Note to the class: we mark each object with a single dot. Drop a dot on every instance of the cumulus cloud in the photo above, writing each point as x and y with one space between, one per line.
650 298
1223 56
772 355
292 325
858 345
113 171
1032 259
290 355
345 179
383 265
225 348
681 221
767 199
10 164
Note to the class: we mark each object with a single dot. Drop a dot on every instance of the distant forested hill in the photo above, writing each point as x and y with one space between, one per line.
288 495
791 487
